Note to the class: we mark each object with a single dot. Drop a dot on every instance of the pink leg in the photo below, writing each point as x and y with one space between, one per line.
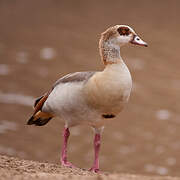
64 161
95 167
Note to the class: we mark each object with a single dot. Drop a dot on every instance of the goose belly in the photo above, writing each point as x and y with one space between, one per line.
68 102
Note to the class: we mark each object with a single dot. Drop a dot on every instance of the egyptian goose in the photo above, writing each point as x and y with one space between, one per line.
90 97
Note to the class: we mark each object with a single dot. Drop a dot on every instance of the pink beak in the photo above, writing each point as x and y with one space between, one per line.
138 41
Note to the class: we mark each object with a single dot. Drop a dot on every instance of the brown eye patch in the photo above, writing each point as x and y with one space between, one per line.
123 31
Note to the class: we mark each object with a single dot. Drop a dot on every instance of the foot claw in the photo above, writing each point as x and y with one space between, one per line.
95 170
67 164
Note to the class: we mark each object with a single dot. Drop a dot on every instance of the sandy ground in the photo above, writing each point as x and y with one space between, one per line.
16 169
42 40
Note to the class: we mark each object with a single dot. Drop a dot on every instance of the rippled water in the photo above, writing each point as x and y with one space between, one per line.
22 57
163 114
47 53
12 98
7 125
4 69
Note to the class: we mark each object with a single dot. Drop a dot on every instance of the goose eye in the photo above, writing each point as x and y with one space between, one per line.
123 31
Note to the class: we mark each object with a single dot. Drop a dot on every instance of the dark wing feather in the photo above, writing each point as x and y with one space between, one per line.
37 100
40 102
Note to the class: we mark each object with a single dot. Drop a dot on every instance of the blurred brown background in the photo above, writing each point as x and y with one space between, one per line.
42 40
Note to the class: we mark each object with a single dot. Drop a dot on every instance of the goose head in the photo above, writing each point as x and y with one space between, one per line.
113 38
120 35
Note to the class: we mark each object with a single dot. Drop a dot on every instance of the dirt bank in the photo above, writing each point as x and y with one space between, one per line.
17 169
